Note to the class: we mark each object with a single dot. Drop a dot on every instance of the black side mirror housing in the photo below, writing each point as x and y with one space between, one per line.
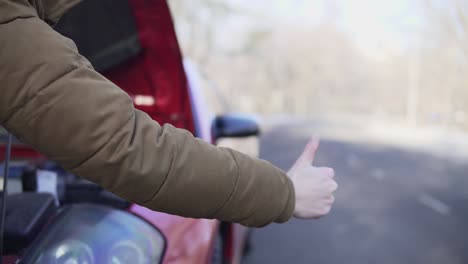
234 126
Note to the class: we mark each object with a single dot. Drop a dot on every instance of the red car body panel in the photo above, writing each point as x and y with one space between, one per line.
158 70
21 152
189 240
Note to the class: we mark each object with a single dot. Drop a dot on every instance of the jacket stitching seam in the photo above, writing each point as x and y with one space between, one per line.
16 18
234 189
93 154
40 92
171 167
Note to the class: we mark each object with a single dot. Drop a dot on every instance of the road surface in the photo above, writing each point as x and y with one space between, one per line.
393 206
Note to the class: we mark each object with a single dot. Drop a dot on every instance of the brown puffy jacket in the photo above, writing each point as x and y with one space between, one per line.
52 99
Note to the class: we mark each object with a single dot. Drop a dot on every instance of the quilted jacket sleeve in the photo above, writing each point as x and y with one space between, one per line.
52 99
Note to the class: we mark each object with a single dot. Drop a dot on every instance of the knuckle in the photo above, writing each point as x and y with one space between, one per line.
326 210
334 186
323 170
329 172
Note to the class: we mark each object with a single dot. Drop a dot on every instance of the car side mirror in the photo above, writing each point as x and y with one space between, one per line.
234 126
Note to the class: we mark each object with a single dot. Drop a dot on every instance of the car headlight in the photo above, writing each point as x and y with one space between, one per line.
89 234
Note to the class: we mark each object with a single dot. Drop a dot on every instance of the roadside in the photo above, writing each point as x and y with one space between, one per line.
437 141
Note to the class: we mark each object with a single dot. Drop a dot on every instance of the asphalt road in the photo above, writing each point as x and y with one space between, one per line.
393 206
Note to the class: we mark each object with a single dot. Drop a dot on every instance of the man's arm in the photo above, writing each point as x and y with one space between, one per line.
51 98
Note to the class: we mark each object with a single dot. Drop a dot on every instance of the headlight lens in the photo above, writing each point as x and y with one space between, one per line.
89 234
126 252
68 252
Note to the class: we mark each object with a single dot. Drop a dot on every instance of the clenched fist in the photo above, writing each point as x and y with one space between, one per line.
314 186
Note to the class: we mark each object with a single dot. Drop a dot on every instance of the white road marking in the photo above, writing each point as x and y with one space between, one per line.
435 204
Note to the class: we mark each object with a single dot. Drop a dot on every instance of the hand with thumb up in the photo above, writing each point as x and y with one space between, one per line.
314 186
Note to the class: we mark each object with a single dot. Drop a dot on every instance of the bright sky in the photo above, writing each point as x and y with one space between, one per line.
377 26
381 25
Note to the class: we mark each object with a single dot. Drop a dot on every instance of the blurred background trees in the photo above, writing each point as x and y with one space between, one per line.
392 61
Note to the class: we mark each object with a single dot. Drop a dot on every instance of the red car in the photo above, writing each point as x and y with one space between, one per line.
133 43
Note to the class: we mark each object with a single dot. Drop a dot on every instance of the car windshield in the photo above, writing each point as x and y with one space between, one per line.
105 38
